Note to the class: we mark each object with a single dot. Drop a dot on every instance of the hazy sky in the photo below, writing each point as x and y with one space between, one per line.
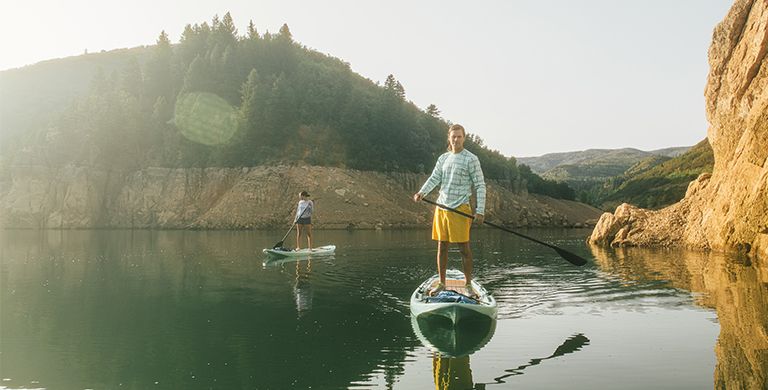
529 77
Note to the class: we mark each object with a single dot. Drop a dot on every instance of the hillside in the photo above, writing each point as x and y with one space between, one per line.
596 174
670 152
34 95
660 182
219 98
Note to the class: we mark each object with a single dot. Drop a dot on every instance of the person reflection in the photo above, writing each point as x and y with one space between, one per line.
452 345
452 373
302 289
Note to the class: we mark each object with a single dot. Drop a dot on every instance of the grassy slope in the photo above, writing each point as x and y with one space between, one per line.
656 186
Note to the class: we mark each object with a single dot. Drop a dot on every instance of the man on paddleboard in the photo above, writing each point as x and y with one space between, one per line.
457 172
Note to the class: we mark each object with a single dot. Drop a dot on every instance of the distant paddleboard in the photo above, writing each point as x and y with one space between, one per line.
319 251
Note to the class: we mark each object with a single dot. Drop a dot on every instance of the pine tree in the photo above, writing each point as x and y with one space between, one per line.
198 76
131 79
433 111
280 111
252 33
159 75
251 148
193 42
285 34
393 86
248 94
228 26
389 83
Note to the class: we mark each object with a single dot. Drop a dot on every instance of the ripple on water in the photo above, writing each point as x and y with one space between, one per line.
526 289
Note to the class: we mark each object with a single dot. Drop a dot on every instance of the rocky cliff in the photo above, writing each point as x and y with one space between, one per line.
727 210
244 198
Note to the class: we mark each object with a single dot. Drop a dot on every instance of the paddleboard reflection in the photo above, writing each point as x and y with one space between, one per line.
441 336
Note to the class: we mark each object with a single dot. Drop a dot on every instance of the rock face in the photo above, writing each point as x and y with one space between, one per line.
244 198
727 210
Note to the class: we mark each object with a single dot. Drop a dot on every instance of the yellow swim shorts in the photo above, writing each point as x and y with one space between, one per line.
451 227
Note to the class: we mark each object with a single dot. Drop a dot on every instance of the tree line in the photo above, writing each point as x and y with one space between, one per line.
269 100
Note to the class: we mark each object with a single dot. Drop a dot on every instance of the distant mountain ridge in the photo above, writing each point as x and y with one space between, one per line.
597 157
606 177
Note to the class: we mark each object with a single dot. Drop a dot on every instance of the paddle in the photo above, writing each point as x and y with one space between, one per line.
568 256
280 243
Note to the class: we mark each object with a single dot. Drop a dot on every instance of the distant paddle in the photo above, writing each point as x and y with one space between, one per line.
568 256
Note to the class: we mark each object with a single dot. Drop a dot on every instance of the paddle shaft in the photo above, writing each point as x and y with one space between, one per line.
570 257
488 223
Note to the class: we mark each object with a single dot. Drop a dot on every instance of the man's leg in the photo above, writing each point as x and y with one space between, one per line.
442 264
442 259
466 260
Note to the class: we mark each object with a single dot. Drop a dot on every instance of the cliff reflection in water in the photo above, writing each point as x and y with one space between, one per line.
736 288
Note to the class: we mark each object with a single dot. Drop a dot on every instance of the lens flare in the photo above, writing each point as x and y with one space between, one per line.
205 118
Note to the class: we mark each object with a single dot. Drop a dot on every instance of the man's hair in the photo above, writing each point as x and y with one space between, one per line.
304 194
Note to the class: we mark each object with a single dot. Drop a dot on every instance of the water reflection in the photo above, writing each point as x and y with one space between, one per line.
199 310
302 288
185 310
570 345
439 334
452 373
452 346
736 288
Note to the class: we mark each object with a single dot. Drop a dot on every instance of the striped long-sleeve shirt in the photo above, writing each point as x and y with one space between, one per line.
457 174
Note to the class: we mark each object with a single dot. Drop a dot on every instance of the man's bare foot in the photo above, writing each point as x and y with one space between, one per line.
471 291
436 289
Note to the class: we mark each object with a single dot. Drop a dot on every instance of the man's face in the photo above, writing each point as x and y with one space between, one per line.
456 139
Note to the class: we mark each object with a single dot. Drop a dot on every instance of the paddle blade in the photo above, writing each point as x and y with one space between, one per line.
573 344
570 257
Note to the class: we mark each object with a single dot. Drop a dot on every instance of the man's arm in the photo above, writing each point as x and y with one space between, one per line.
478 182
434 179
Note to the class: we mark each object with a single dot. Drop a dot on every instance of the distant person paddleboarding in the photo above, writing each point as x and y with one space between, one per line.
303 223
304 219
457 172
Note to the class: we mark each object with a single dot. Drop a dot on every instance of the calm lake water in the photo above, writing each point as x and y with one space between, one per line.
200 310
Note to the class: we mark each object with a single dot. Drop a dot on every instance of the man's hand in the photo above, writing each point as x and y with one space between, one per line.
417 197
479 219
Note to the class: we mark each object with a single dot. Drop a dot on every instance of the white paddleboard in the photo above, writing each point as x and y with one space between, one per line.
423 304
319 251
